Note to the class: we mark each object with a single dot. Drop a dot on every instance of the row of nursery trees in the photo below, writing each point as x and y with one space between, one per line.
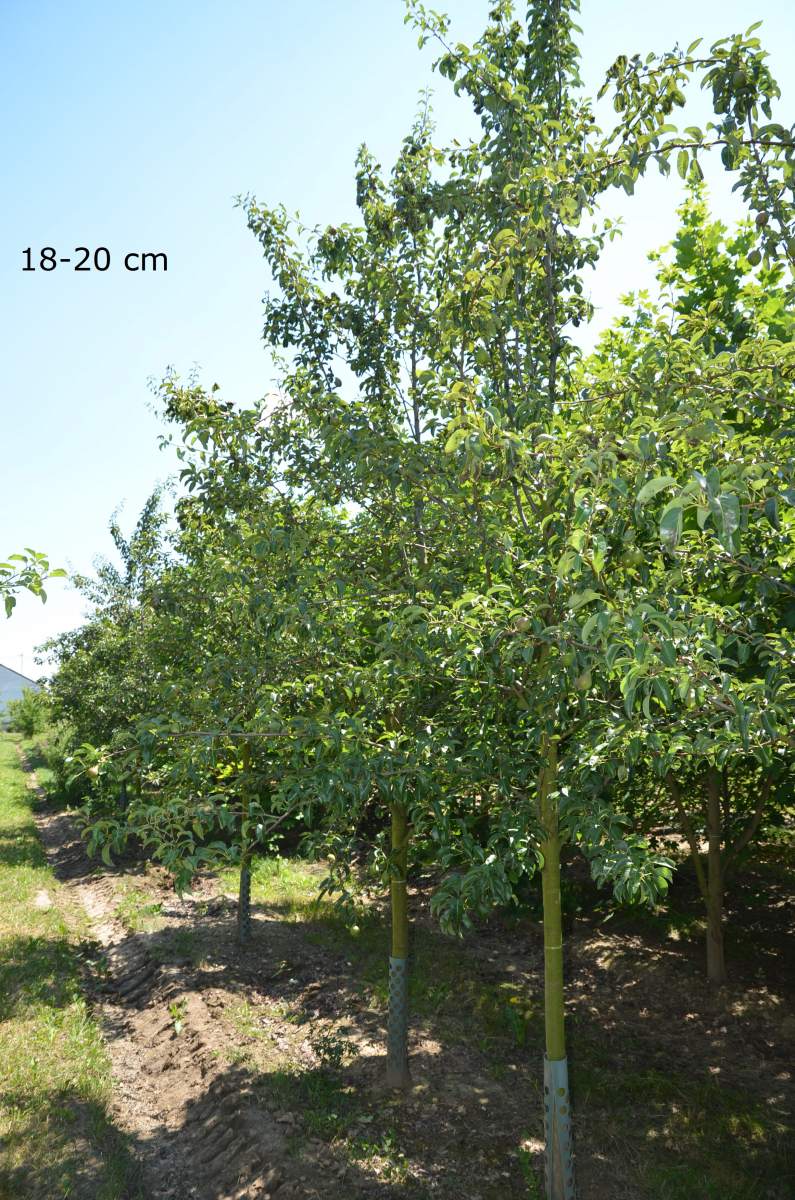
459 596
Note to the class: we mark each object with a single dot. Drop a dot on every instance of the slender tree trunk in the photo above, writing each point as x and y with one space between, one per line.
397 1069
244 893
726 801
557 1104
716 961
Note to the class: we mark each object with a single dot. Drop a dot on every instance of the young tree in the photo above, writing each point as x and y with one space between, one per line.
704 384
524 427
369 297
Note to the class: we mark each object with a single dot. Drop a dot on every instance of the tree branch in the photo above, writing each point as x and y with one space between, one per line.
733 852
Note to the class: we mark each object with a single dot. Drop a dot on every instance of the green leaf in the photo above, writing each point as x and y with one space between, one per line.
771 512
454 441
629 699
671 527
769 725
505 237
589 627
730 513
585 597
654 486
668 653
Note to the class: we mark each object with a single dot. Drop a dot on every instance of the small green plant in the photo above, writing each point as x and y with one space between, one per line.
178 1010
182 943
138 912
384 1153
516 1016
238 1056
330 1049
531 1179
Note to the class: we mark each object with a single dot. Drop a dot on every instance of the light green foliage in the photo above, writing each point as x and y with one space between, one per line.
29 714
27 571
178 1010
424 559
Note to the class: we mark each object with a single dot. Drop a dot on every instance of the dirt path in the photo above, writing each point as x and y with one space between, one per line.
195 1129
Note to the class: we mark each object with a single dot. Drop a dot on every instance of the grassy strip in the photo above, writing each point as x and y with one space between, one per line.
56 1136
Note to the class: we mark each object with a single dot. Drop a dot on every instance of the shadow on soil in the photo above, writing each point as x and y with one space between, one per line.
678 1092
80 1154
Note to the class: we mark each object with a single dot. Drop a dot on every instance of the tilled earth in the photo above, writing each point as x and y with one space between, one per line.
221 1078
198 1129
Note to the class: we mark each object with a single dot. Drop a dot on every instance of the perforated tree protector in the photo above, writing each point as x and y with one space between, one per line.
557 1130
397 1029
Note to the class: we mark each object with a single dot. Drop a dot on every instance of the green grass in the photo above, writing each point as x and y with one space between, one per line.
691 1136
138 912
727 1145
327 1106
289 885
36 753
56 1138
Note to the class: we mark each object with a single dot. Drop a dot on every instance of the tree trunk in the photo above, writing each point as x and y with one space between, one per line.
716 962
557 1107
244 900
397 1068
244 891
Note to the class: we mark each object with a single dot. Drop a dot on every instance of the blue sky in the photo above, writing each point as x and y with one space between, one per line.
133 126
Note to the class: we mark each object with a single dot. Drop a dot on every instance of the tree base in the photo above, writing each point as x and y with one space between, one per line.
398 1079
397 1066
557 1130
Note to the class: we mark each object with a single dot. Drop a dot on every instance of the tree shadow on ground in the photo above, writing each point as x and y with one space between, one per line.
651 1052
21 849
64 1145
35 757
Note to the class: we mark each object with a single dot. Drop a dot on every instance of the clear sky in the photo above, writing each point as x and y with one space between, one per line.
132 126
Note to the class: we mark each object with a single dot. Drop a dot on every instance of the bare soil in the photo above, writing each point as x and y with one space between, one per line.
224 1084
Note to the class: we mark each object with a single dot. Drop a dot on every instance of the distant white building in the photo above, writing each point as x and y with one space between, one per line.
12 685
